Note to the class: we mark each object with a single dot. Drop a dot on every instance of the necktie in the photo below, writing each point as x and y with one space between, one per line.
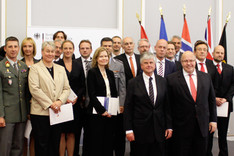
202 67
218 68
16 67
86 66
160 70
132 67
151 90
192 87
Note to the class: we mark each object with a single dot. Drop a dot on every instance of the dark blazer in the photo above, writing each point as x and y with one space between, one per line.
211 69
148 121
75 78
81 64
185 111
97 87
170 67
178 65
127 68
224 87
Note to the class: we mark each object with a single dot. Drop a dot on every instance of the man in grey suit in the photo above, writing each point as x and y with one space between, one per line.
117 67
13 100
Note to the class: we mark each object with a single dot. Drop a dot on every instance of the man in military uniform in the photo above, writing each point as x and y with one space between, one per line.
13 103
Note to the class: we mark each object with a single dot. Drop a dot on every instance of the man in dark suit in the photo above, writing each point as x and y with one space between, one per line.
202 63
192 101
224 90
131 61
147 117
177 41
170 54
14 102
85 49
163 66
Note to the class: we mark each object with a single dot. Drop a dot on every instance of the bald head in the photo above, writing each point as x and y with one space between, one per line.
218 53
188 61
161 49
128 45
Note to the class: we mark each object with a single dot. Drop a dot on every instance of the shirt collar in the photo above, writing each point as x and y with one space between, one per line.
147 77
83 59
11 62
215 63
187 74
198 61
157 60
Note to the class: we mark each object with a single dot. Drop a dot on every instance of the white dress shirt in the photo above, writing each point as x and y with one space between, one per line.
194 77
158 65
146 81
199 66
134 62
220 65
84 64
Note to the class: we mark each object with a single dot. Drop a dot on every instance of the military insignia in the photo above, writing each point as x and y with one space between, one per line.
23 70
7 63
10 82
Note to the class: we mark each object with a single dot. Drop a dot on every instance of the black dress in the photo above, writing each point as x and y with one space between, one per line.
77 84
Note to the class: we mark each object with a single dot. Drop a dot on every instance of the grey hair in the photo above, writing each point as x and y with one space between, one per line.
47 43
175 36
146 56
143 39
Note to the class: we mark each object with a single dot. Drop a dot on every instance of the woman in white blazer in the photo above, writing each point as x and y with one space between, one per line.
50 88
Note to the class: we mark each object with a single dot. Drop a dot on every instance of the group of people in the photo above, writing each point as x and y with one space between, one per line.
167 99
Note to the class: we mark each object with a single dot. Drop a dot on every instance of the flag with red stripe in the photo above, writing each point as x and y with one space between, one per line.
185 39
209 39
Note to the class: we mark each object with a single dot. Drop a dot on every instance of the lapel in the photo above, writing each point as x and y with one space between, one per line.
184 85
46 72
158 86
56 74
166 68
143 89
128 69
11 68
199 81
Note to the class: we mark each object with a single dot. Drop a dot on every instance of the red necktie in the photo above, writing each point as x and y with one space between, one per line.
218 68
192 87
202 67
132 67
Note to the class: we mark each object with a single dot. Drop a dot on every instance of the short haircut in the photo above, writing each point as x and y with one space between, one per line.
85 41
106 39
64 35
68 41
176 36
96 54
47 43
30 40
143 39
146 56
199 42
11 38
116 37
170 42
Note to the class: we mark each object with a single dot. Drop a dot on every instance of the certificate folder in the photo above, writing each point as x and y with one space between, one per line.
66 114
111 104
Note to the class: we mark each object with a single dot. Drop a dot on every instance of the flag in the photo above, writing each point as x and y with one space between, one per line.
223 42
163 32
209 39
185 39
143 34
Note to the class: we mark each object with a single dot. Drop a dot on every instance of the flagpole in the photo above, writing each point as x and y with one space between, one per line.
184 11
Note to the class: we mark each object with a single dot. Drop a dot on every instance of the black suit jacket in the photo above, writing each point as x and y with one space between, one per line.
148 121
97 87
211 70
170 67
185 111
127 68
224 86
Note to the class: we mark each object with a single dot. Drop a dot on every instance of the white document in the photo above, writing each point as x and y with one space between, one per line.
72 96
111 104
65 114
28 129
222 111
